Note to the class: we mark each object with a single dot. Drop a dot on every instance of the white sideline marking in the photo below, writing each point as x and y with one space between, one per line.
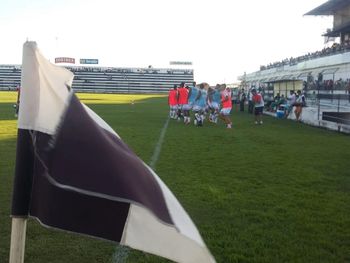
121 253
156 152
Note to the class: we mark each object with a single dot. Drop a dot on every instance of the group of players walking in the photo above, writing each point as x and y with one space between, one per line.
203 99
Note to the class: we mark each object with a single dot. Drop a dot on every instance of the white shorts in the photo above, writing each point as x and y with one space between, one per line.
197 108
187 107
214 105
225 111
173 107
179 106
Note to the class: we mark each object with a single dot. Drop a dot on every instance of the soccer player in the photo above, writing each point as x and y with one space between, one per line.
226 103
199 106
209 102
192 96
187 107
172 101
214 99
182 100
258 106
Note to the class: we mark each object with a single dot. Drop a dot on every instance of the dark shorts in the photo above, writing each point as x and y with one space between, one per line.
258 110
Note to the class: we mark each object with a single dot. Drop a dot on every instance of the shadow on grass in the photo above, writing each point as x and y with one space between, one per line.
7 163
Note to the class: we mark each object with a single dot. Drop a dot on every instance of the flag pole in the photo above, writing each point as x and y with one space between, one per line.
18 239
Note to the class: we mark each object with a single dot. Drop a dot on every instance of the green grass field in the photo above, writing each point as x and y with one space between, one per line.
279 192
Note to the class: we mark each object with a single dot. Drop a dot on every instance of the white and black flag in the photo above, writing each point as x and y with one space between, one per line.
73 172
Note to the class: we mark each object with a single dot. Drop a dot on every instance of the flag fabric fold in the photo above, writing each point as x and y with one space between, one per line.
74 173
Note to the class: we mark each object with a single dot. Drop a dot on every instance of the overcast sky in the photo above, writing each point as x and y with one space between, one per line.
223 38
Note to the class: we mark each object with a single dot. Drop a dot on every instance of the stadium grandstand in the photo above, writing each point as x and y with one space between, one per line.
323 76
326 71
110 79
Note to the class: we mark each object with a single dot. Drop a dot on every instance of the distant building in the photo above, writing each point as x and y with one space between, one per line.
110 79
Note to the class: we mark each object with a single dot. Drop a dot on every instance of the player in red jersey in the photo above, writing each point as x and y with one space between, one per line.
172 101
258 106
182 100
226 103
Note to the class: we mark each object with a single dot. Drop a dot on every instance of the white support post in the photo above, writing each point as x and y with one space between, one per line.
18 239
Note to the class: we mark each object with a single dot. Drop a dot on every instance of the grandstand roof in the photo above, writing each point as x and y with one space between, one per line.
336 31
328 8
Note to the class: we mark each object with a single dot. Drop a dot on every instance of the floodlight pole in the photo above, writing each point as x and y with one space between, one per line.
18 239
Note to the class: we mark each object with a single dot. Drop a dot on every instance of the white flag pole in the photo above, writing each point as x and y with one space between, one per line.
18 239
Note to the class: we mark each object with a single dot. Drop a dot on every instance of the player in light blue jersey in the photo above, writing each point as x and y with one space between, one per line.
214 100
192 94
199 105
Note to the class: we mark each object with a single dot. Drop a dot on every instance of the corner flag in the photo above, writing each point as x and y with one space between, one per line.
73 172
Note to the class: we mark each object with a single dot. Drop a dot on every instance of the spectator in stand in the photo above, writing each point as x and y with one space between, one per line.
335 49
328 84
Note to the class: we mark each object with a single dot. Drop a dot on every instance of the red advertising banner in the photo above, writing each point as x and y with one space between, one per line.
65 60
